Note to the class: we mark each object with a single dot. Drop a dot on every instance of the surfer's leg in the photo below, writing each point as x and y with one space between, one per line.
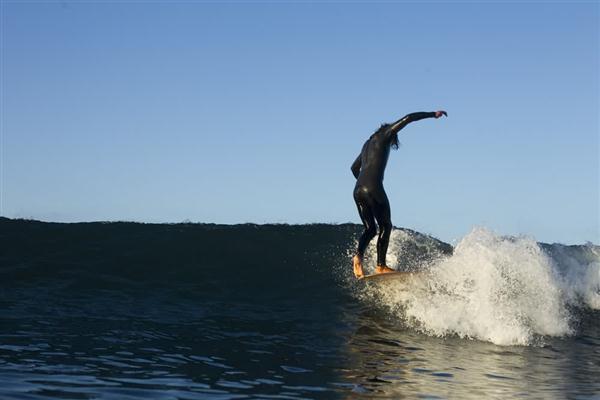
366 215
384 220
368 220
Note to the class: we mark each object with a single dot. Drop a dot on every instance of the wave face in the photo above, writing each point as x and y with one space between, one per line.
238 260
505 290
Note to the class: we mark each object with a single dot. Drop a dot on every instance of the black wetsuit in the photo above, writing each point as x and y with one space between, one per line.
370 198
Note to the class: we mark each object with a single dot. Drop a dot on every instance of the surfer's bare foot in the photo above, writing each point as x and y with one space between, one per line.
382 269
358 271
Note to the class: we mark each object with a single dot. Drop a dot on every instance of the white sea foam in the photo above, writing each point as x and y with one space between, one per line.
505 290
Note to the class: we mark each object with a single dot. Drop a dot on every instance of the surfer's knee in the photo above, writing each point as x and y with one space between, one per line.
385 229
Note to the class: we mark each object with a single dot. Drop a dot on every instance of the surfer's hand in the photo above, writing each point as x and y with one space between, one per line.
440 113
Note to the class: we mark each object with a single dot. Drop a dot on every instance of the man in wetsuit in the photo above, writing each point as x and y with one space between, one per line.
370 198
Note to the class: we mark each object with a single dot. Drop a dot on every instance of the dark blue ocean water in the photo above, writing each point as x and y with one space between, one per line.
189 311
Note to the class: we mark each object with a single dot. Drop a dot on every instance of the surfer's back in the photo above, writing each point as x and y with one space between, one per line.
374 156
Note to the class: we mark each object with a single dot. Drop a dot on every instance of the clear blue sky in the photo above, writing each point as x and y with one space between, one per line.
253 112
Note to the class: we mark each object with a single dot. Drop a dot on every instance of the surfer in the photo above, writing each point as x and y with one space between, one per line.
369 195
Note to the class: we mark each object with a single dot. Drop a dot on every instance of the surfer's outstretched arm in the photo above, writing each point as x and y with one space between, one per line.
356 167
407 119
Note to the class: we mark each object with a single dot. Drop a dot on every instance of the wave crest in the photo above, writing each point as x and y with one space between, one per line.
506 290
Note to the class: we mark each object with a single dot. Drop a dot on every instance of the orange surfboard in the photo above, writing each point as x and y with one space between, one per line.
387 276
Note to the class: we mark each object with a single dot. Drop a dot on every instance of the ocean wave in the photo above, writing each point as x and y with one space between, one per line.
505 290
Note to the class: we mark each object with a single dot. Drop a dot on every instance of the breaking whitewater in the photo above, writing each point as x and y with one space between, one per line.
505 290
